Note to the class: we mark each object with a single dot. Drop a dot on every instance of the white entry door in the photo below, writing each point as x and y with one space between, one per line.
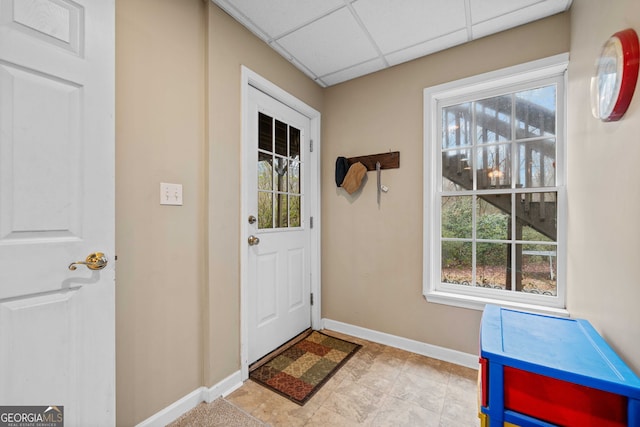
277 175
57 325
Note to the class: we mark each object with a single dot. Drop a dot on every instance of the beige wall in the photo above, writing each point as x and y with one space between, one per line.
160 137
230 46
372 256
604 200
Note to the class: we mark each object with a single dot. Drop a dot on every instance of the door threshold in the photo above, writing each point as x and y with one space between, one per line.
264 359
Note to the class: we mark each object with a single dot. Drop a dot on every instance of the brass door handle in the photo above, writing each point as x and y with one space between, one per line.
253 240
95 261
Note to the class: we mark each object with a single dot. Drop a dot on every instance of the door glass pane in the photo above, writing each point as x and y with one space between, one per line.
281 138
492 214
494 166
294 176
536 163
456 263
265 171
457 172
294 211
281 168
456 126
492 261
536 112
282 211
265 133
539 269
294 143
493 119
457 219
265 209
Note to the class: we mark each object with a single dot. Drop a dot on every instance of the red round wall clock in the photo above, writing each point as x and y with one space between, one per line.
616 74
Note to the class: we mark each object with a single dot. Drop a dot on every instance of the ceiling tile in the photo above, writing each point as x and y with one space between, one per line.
336 40
330 44
276 17
396 24
483 10
426 48
514 18
353 72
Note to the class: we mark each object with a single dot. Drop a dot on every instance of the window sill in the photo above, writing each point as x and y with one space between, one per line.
478 303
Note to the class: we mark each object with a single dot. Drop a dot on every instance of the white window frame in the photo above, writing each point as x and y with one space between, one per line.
469 89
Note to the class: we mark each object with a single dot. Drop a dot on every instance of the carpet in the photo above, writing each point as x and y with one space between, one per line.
298 371
218 413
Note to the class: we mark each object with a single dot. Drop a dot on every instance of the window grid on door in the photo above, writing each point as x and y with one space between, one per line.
279 174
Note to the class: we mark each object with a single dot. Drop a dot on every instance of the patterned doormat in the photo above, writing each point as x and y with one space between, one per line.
299 371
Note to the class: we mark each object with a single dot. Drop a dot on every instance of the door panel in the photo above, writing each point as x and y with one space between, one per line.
57 326
279 265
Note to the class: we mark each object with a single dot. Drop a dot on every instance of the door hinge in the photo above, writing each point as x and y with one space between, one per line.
311 299
311 145
311 222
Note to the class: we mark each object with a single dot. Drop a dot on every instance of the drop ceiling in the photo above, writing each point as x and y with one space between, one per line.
333 41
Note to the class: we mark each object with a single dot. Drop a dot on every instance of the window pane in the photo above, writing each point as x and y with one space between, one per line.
294 176
536 112
281 138
537 212
265 209
536 164
294 211
494 166
456 126
492 215
539 269
457 172
265 171
493 119
294 143
492 261
457 217
265 132
281 167
456 263
282 211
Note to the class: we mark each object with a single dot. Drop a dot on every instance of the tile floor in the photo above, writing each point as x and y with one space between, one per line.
379 386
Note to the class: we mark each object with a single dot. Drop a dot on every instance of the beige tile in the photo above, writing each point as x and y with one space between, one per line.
465 413
249 396
397 412
354 402
379 376
272 405
421 391
325 417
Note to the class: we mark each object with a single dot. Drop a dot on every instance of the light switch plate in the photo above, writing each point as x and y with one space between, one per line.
170 194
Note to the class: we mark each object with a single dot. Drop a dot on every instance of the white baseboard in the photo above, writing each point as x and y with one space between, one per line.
224 387
190 401
434 351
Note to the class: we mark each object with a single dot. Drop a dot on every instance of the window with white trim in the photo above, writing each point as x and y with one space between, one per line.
494 175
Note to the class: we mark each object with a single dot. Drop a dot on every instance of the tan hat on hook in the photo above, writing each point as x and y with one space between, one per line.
354 177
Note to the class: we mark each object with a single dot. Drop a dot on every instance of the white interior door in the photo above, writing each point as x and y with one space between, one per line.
278 246
57 326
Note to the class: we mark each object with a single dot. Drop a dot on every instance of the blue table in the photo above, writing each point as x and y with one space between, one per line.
547 347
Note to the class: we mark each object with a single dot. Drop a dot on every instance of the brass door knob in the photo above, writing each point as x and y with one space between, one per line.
253 240
95 261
